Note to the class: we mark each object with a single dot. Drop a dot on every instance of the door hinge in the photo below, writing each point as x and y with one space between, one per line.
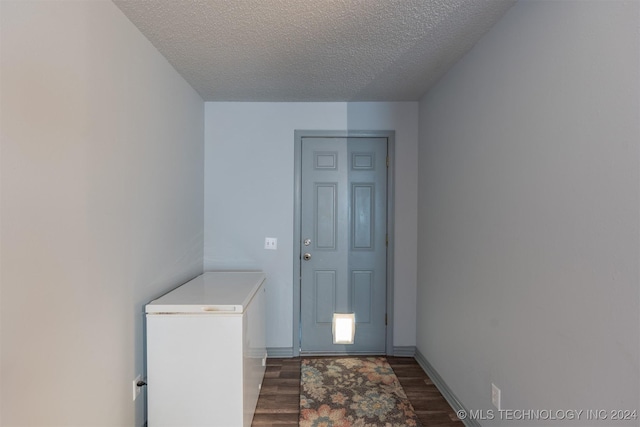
385 319
386 240
387 161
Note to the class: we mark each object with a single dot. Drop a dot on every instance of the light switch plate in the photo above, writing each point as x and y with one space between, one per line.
270 243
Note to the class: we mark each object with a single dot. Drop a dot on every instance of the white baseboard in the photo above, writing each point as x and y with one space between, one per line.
444 389
280 352
284 352
404 351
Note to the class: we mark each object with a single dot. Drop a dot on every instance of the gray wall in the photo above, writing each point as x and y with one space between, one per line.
249 178
101 208
529 211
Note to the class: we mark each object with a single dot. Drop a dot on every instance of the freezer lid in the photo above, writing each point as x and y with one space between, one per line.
215 292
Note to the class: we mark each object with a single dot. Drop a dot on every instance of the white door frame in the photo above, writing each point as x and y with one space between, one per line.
297 200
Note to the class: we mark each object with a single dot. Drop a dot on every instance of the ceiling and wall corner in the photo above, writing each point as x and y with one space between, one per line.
313 52
287 50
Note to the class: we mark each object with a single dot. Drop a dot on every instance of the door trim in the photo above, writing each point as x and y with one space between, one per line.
297 213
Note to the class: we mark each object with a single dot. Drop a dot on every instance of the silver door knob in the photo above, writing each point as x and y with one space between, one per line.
306 256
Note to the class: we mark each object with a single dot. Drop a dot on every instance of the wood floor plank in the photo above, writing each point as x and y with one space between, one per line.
431 407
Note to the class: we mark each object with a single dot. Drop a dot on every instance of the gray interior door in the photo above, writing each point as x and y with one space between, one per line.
343 235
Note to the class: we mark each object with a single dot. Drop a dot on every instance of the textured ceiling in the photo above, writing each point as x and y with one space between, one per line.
313 50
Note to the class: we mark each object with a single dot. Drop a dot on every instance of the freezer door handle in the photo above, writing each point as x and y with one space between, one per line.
209 309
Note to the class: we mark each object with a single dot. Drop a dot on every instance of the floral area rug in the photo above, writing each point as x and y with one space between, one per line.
352 392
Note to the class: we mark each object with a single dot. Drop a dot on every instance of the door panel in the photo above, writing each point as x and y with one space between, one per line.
362 287
362 224
325 293
326 201
343 214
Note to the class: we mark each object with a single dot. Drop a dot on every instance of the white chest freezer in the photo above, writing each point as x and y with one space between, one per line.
206 351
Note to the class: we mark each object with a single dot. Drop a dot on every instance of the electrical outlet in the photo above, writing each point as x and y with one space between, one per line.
136 388
495 396
270 243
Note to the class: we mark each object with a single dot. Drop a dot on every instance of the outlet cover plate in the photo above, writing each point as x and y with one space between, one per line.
495 396
136 388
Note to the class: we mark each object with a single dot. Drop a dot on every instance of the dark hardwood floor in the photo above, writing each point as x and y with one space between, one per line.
278 404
